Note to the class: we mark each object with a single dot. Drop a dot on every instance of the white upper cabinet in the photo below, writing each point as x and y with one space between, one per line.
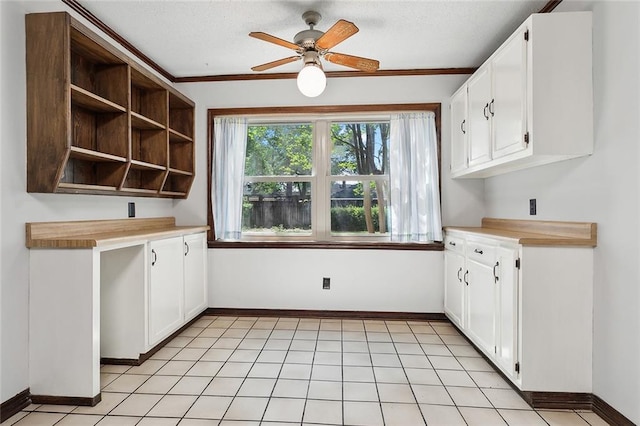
479 98
507 107
459 130
530 103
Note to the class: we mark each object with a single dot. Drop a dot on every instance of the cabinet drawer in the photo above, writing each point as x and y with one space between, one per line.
481 252
454 243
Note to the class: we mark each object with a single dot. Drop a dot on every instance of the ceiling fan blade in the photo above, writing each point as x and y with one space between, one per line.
362 64
274 64
275 40
340 31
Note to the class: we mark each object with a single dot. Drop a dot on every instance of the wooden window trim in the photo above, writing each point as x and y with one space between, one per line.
326 109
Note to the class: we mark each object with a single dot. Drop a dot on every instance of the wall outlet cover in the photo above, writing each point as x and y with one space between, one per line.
326 283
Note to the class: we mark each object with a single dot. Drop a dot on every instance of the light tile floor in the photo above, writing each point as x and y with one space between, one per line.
275 371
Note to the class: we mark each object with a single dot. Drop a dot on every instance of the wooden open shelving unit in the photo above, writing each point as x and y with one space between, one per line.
97 121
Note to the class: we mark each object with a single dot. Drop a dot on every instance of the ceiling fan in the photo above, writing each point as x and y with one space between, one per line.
311 45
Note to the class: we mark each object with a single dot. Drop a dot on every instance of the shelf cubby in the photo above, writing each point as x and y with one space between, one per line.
144 178
181 116
93 172
148 98
101 132
149 146
181 156
177 183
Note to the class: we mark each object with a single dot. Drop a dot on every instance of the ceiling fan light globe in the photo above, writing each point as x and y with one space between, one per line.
311 81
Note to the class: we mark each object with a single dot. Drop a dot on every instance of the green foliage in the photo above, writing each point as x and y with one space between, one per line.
279 149
359 148
352 219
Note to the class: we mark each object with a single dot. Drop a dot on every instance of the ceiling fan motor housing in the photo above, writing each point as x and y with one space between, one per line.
307 38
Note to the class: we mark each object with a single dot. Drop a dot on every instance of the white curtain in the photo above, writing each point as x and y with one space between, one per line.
229 147
413 174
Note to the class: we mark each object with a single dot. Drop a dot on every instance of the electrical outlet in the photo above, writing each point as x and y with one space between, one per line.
532 207
326 283
132 209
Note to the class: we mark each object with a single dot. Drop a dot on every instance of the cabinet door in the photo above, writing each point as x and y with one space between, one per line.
459 127
507 110
165 288
195 275
454 286
479 96
507 312
481 305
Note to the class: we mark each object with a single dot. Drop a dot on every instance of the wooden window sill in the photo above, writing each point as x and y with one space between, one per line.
437 246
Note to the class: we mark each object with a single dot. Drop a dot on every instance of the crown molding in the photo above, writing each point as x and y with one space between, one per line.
329 74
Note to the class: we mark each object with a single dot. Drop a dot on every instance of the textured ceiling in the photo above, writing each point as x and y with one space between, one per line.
197 38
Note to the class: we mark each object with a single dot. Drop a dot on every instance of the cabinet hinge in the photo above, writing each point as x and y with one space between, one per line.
517 367
518 263
526 35
526 138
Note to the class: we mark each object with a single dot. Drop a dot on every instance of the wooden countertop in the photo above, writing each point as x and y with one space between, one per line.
537 233
95 233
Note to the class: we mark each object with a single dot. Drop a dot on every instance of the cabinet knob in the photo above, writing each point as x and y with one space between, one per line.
495 275
462 127
459 270
484 111
478 251
186 248
466 273
491 107
452 243
154 256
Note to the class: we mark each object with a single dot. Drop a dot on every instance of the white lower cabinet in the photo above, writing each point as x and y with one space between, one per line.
481 305
177 289
533 322
507 309
166 300
454 272
195 275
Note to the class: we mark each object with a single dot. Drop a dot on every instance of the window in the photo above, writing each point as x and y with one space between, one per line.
278 180
316 177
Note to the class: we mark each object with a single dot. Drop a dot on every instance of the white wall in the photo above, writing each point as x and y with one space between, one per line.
603 188
18 207
361 280
382 280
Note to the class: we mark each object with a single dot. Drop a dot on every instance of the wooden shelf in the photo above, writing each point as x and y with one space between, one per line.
180 172
141 165
141 122
77 186
93 102
113 137
89 155
139 190
177 137
174 194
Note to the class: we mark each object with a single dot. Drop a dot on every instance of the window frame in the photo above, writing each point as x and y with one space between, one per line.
326 115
